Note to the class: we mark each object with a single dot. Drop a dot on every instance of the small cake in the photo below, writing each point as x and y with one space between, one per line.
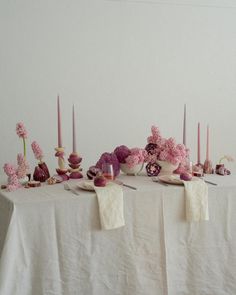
51 180
34 183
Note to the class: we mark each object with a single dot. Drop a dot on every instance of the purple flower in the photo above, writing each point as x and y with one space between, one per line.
110 158
122 152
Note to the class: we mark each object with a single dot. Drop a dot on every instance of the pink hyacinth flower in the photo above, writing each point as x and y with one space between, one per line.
23 166
9 169
38 153
20 159
20 130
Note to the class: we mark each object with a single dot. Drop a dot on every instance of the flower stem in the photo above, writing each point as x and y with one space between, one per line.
221 159
24 143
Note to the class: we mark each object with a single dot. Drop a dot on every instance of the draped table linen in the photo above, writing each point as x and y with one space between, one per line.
51 242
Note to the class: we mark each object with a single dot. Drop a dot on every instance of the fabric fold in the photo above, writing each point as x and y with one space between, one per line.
111 206
196 198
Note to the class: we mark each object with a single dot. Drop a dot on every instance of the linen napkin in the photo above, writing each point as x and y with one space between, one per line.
196 198
111 205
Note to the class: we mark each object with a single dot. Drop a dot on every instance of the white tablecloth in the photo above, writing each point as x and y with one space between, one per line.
51 243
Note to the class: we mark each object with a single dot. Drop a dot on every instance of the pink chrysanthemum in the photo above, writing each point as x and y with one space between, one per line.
38 153
20 130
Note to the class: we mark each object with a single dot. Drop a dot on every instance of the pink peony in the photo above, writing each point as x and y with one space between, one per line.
20 130
38 153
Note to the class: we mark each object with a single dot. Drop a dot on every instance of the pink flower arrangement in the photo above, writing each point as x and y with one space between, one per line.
38 153
159 148
137 156
131 157
41 172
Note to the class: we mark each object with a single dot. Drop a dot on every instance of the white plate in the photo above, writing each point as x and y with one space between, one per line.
86 185
174 179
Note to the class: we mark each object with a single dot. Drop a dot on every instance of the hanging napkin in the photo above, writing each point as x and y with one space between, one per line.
196 196
111 205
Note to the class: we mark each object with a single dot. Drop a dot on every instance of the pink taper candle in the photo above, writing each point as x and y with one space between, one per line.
198 145
207 148
184 126
59 122
74 133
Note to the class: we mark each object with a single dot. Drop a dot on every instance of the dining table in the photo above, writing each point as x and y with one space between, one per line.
52 243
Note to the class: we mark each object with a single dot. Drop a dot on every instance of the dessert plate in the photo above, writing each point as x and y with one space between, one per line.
86 185
174 179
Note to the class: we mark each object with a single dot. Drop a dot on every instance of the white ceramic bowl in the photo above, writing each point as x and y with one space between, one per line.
167 168
131 171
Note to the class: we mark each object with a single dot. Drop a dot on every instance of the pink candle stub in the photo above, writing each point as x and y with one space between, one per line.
207 148
198 145
59 122
74 131
184 126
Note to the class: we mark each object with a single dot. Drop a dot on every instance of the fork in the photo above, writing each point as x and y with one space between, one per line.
209 182
158 181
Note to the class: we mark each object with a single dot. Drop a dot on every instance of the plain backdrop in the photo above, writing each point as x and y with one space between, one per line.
126 65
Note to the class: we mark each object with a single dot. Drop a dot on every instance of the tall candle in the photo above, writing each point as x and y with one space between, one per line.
59 122
207 148
184 126
198 145
74 131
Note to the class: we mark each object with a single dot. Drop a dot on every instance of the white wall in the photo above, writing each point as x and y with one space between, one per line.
125 64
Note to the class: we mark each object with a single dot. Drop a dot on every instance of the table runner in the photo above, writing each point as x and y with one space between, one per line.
51 243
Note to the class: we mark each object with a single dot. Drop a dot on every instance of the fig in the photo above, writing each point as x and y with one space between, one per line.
185 176
100 180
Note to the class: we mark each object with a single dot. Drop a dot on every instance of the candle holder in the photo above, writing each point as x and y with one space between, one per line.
198 170
208 168
61 170
74 162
